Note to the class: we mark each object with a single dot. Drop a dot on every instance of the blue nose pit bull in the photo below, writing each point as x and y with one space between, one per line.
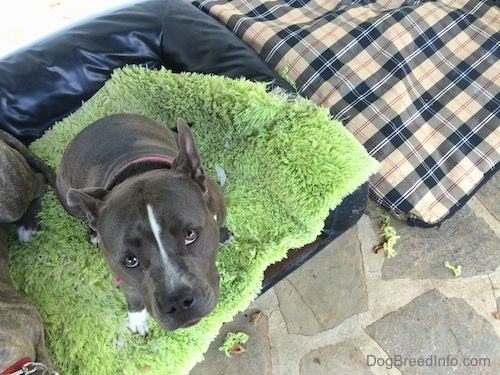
155 214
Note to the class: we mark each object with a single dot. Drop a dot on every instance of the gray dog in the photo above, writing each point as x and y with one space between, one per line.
22 343
155 214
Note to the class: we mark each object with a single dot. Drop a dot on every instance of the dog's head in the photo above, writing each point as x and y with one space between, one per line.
160 233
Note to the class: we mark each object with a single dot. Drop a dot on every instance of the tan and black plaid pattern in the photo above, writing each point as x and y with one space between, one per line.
417 82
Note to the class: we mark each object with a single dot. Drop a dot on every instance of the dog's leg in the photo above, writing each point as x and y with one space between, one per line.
225 236
93 236
137 314
4 254
28 224
41 355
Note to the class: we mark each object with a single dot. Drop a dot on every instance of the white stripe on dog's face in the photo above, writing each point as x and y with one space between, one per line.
156 228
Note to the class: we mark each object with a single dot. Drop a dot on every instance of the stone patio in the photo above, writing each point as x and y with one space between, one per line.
349 310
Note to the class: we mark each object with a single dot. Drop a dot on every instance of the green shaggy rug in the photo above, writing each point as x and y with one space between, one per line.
284 163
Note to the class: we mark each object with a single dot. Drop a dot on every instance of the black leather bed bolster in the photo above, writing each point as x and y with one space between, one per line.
46 81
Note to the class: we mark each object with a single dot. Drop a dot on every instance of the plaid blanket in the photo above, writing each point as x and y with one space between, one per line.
417 82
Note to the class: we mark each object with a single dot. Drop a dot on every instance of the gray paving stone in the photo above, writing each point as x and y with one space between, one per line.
325 290
463 239
440 331
343 358
256 360
488 195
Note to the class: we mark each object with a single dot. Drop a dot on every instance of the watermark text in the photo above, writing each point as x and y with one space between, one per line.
429 361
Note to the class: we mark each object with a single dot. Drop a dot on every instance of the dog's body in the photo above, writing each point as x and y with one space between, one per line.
22 188
21 331
157 216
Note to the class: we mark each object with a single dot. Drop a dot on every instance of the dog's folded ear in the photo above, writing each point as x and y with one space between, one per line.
188 160
90 201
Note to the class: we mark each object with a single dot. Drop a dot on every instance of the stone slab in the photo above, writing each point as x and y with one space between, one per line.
343 358
447 333
256 360
325 290
463 239
488 195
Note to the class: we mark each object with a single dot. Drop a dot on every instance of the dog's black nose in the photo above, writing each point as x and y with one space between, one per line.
180 300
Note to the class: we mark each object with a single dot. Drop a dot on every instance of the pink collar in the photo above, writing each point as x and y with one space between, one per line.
146 159
132 167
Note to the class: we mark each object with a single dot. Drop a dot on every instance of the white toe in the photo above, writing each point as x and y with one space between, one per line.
25 234
94 239
138 322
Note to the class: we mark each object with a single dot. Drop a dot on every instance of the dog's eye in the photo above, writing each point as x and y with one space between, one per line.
131 261
190 236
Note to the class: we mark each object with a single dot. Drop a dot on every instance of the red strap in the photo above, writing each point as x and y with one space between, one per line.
16 366
118 175
160 159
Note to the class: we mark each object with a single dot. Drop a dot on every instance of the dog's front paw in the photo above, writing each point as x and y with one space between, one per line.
93 236
226 236
24 234
94 239
138 322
